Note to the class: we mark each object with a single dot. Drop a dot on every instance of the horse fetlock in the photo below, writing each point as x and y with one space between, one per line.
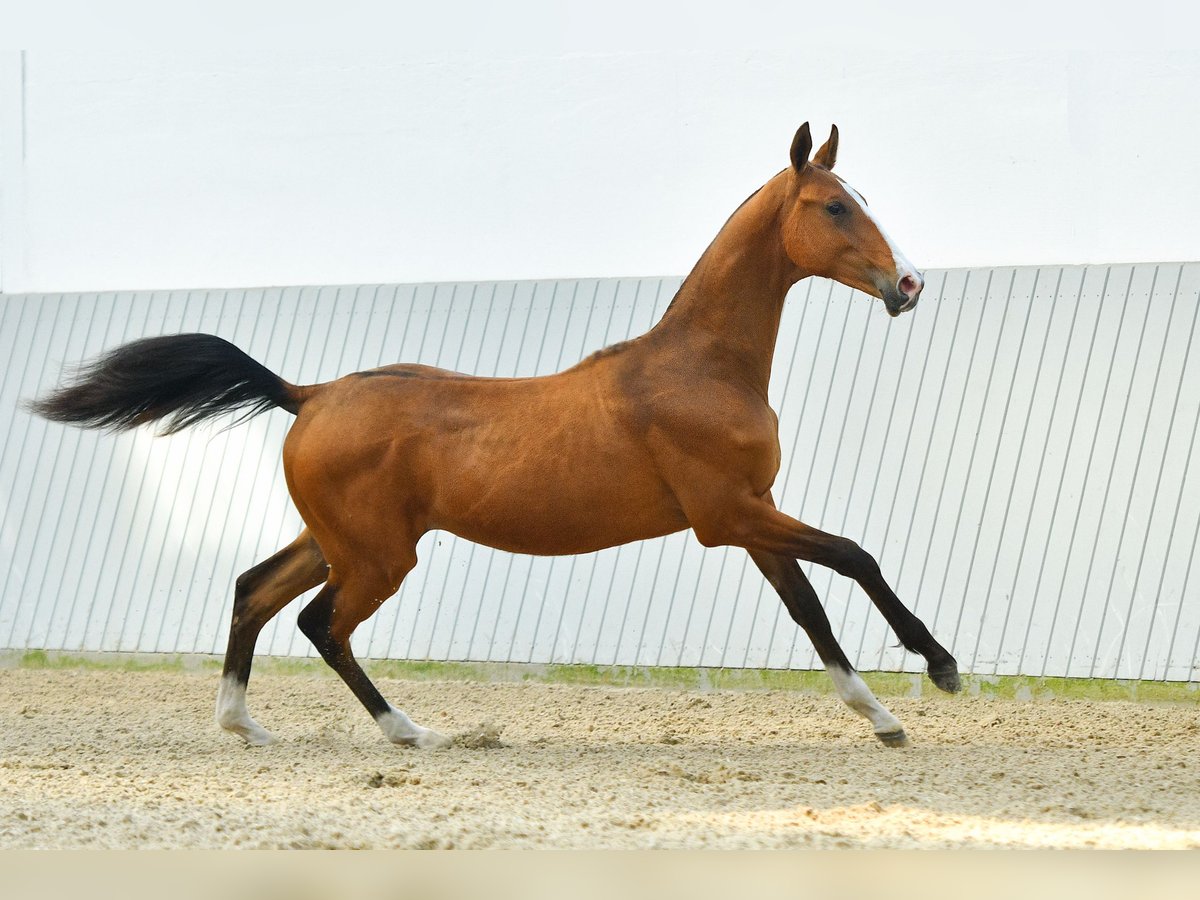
856 695
231 714
850 560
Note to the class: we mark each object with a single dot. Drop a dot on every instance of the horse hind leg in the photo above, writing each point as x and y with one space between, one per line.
262 592
343 604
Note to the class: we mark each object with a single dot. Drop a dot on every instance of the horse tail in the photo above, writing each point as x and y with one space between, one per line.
183 378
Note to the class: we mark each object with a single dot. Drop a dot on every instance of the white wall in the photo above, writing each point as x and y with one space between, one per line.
127 169
1019 454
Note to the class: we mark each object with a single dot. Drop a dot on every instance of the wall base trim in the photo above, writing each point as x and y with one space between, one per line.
887 684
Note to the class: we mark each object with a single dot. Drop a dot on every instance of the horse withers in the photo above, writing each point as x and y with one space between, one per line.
671 430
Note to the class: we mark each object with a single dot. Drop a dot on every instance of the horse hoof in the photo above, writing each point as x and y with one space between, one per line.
893 738
431 740
252 733
946 678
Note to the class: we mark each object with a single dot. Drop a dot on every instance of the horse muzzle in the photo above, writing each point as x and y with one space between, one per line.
901 295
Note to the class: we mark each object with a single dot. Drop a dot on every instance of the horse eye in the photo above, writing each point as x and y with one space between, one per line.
834 208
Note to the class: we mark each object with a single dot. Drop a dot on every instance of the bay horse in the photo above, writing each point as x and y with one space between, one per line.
669 431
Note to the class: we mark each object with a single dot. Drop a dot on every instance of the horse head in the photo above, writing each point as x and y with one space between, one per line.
828 230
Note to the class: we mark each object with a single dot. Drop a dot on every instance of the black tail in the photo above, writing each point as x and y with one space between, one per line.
186 377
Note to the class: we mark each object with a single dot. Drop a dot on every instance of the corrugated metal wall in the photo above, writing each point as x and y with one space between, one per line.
1018 455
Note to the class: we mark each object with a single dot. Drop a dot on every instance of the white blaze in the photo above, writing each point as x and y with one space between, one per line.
903 266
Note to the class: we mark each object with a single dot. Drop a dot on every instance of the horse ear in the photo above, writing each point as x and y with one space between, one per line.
827 155
801 147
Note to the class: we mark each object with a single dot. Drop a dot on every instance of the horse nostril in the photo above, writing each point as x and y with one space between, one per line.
910 286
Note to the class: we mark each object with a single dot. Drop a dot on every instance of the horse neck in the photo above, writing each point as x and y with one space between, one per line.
726 313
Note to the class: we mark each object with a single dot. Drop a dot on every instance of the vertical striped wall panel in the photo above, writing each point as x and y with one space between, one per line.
1018 454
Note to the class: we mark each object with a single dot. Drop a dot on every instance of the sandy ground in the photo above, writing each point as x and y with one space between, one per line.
113 759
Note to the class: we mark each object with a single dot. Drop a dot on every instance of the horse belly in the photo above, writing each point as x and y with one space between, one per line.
539 505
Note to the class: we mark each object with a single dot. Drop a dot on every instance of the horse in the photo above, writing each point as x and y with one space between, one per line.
669 431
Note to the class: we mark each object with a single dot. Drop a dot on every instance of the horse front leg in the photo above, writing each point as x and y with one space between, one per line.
805 609
755 524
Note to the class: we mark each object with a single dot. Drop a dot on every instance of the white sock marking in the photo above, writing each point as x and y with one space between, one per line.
398 728
232 714
855 694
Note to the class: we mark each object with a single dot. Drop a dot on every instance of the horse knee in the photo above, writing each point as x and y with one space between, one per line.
849 559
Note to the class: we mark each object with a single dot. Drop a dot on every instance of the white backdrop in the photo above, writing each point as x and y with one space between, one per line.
200 168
